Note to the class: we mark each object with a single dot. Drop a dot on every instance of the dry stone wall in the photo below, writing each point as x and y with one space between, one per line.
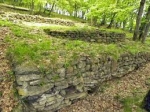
33 18
91 36
51 89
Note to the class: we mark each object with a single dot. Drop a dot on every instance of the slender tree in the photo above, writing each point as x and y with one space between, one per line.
32 6
103 22
112 20
145 27
138 20
53 4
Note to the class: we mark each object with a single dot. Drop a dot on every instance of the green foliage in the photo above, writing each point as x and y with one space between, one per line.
122 10
72 5
132 103
96 10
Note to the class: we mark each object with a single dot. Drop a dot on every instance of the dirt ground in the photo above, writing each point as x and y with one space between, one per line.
7 101
109 100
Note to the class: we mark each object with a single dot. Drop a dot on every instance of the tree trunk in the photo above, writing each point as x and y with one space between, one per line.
20 3
75 10
120 24
117 24
138 20
14 3
91 20
40 8
52 8
144 35
112 21
131 23
113 17
32 7
124 24
103 20
145 26
83 13
141 29
95 21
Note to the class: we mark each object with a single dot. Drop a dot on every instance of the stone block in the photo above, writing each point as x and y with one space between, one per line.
62 92
51 107
79 87
63 86
33 90
28 77
61 71
69 70
82 64
76 96
26 69
35 82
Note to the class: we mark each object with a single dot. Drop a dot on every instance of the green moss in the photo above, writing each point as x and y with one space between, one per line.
56 77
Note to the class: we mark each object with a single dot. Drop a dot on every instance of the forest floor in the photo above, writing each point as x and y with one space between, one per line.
7 100
120 95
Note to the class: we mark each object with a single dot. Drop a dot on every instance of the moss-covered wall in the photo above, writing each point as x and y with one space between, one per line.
90 36
51 89
16 17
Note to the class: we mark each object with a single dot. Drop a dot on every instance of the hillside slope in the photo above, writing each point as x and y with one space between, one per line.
119 95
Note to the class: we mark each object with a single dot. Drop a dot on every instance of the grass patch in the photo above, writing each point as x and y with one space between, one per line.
132 104
38 48
5 23
84 28
129 35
